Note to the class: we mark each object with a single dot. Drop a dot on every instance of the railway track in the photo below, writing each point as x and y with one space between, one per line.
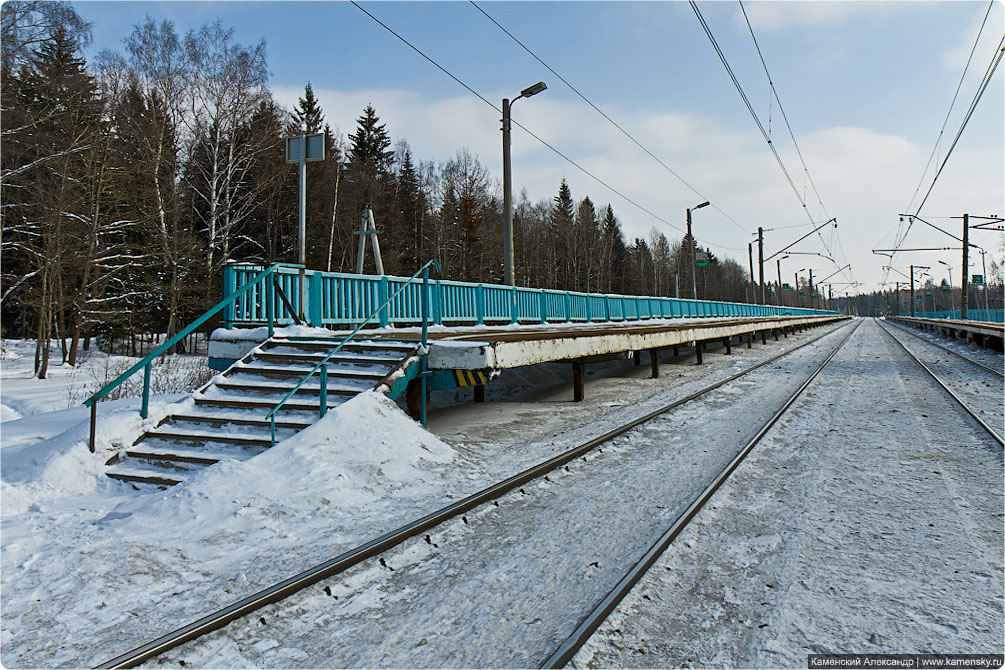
377 546
992 404
596 616
945 348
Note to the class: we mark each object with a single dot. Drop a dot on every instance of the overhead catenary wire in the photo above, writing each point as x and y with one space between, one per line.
952 104
532 134
609 119
781 109
981 87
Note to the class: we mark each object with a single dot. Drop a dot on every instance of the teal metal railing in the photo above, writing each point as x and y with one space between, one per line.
420 295
257 295
335 298
989 315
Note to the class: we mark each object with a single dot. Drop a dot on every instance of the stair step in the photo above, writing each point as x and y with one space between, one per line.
227 438
285 423
144 475
157 455
248 403
263 388
337 359
300 372
356 345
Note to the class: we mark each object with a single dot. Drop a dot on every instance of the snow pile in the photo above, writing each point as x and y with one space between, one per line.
91 567
38 465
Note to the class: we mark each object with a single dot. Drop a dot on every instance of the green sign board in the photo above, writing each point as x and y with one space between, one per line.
918 297
786 287
701 259
977 279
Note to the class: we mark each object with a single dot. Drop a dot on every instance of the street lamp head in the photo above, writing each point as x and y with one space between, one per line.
533 90
704 204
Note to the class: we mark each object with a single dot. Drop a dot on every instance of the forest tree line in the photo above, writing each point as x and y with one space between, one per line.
128 181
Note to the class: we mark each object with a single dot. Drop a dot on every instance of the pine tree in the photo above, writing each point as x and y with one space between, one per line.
370 144
561 221
307 116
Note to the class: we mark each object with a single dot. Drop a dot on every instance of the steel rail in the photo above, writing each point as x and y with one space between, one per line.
991 431
379 545
941 346
592 621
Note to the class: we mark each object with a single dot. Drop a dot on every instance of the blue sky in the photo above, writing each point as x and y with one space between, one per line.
865 86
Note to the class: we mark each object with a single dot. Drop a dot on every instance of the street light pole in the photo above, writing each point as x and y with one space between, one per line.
509 267
694 261
952 300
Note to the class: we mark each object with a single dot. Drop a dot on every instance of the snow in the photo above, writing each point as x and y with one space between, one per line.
91 567
880 534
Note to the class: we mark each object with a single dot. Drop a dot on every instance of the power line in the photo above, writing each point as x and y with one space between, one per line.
757 120
750 108
995 60
609 119
525 129
981 87
781 109
951 105
792 135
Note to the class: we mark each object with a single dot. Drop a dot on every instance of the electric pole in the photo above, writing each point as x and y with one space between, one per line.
966 267
753 281
760 259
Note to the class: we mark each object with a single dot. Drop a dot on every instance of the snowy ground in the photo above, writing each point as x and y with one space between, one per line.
502 586
867 521
981 389
90 567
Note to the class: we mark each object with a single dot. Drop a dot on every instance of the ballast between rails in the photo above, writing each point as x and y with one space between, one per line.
593 620
941 346
991 431
379 545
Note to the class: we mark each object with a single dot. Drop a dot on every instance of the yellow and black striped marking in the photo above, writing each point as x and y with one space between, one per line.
470 377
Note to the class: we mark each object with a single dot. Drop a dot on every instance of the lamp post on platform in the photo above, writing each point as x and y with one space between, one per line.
509 267
952 300
694 260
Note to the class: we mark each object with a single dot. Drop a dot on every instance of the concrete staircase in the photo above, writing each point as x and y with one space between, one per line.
228 421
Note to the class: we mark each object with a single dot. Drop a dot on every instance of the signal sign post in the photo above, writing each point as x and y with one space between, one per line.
302 150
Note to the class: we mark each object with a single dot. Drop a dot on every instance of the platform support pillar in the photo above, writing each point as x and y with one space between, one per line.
578 381
676 351
728 341
654 362
479 392
750 340
637 357
764 337
774 333
697 352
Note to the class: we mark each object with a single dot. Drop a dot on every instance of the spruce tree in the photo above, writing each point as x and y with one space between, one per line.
371 143
306 116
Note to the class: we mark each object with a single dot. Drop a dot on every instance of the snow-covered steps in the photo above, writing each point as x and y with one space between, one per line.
226 420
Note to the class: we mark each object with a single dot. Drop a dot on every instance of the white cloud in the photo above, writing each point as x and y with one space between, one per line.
865 177
769 15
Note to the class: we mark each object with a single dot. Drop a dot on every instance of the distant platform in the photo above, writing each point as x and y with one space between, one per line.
985 333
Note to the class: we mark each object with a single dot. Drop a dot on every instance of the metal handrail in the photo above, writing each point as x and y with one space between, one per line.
146 362
323 364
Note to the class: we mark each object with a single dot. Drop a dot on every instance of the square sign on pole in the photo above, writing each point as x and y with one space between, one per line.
315 148
304 149
977 279
701 259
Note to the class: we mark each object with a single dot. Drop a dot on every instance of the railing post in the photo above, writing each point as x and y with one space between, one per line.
480 304
229 287
270 302
544 306
638 308
607 307
145 404
437 304
424 310
568 307
624 309
425 338
589 308
514 308
324 391
315 307
94 424
382 294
